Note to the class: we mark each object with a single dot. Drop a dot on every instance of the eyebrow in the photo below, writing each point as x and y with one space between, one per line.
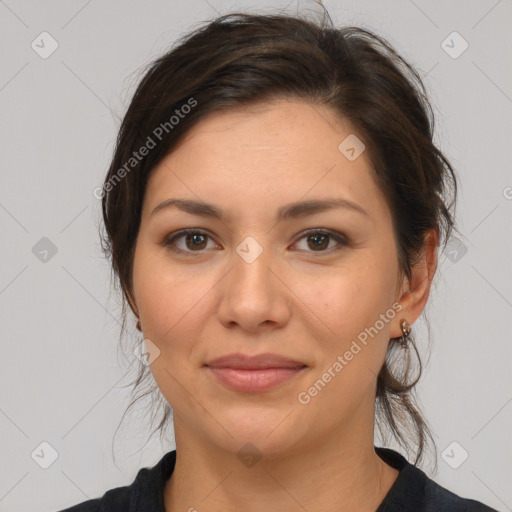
288 211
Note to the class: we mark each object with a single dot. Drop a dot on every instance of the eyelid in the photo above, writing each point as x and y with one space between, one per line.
339 237
170 239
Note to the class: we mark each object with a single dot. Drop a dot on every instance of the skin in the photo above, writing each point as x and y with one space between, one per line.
295 299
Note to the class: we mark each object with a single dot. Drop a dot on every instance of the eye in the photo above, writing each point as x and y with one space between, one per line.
193 241
319 240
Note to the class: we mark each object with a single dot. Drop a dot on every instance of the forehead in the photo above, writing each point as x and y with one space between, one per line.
266 154
282 126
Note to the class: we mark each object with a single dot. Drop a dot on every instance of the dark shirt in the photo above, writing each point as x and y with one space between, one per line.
412 491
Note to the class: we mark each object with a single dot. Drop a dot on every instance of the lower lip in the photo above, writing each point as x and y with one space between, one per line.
254 380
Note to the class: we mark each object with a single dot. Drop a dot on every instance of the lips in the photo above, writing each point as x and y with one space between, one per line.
254 374
257 362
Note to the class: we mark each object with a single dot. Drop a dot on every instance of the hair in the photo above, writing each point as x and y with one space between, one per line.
239 60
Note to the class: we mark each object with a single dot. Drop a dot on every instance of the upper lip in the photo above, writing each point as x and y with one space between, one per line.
257 362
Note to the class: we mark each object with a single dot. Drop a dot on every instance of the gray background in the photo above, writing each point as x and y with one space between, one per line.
60 375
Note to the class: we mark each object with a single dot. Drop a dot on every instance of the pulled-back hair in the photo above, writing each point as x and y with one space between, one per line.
241 59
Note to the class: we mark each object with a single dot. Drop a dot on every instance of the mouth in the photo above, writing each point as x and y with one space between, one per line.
254 381
254 373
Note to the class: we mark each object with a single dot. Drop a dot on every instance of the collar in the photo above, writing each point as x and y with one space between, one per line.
407 491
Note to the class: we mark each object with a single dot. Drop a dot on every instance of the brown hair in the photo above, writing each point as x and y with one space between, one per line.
240 59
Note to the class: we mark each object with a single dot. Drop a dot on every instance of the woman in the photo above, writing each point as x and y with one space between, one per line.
273 212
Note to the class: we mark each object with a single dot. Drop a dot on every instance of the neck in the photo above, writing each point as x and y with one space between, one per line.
342 474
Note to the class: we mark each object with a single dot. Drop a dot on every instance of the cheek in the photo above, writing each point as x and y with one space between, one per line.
350 302
351 298
166 297
177 301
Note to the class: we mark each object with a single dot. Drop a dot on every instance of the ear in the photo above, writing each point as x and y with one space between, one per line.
415 291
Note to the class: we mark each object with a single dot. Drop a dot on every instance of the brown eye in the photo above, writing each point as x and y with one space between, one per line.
187 241
195 241
320 241
190 241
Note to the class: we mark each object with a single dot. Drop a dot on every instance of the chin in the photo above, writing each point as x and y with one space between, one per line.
264 433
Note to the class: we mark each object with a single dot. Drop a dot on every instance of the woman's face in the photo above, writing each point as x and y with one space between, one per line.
254 282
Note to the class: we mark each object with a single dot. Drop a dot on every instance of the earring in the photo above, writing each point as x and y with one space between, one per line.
138 325
406 330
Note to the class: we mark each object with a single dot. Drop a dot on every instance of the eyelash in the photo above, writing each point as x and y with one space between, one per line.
170 240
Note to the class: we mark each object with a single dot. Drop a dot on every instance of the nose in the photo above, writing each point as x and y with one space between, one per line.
254 295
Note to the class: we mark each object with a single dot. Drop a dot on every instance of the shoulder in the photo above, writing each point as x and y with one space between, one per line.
112 500
414 490
439 498
144 493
